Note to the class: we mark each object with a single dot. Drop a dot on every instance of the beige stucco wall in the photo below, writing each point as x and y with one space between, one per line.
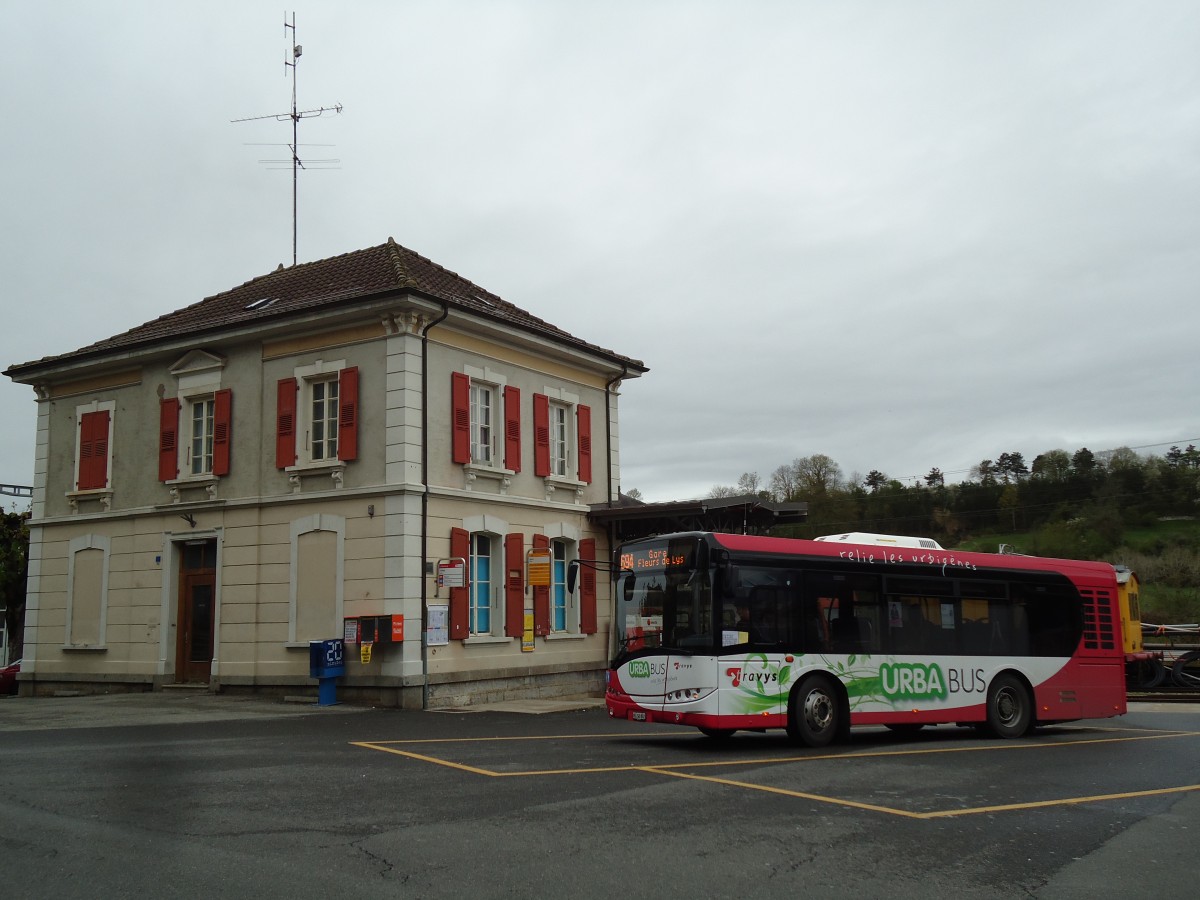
271 529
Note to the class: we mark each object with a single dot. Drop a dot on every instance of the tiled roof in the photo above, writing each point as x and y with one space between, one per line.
309 286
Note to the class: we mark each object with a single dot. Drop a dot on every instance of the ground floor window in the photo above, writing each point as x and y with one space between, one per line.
560 600
481 583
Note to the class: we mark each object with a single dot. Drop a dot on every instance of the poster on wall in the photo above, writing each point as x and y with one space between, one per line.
437 626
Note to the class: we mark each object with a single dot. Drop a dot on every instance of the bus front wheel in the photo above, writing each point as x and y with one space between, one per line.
1009 707
814 712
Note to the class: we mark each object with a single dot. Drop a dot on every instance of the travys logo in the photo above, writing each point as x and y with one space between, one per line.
739 675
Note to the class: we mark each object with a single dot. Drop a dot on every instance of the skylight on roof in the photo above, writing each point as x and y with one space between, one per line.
261 304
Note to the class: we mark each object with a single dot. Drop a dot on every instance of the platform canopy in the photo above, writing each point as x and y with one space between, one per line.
631 519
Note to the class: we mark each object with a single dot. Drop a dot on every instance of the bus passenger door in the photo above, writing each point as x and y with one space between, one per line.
754 685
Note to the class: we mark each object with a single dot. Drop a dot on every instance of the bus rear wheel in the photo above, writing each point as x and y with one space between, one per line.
1009 707
814 712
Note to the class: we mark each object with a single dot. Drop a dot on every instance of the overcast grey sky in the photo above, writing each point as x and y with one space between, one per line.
902 234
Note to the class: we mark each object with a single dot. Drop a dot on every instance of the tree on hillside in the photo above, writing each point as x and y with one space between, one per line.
875 480
818 474
1189 458
985 472
1011 467
934 478
14 569
748 483
1053 465
1084 461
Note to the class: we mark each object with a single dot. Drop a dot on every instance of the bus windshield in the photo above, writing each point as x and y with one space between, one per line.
663 600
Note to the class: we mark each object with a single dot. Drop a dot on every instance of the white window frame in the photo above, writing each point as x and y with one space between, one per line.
494 383
560 438
484 406
558 588
493 608
567 536
320 372
208 403
565 476
328 441
80 411
494 528
199 379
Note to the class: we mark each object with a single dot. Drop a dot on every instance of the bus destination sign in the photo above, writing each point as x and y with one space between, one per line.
674 555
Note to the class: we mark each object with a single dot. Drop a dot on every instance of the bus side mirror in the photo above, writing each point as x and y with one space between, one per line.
572 575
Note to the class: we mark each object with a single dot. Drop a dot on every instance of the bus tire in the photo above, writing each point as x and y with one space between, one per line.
1009 707
815 712
717 734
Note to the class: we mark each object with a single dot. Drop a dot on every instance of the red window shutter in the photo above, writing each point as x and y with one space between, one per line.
587 586
222 431
168 439
348 414
512 429
583 422
514 585
541 434
460 417
285 423
93 451
541 595
460 600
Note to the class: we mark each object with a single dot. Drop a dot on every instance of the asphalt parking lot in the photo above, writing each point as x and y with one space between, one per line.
173 796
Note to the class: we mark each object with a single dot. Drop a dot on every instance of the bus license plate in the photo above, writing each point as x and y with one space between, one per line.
638 716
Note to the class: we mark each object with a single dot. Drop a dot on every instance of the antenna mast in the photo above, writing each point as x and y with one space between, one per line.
295 115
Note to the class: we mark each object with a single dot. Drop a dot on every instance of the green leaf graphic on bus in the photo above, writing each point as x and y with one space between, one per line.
762 685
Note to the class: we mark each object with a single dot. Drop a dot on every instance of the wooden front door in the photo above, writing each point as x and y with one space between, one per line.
197 612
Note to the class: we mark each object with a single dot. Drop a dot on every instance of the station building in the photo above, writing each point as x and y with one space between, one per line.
298 459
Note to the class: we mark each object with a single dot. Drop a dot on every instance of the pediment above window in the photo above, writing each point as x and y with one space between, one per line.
197 361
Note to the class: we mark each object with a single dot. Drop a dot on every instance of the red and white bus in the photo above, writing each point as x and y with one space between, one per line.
726 632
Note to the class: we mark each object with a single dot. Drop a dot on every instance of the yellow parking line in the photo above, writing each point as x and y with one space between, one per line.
422 758
674 770
819 798
1063 801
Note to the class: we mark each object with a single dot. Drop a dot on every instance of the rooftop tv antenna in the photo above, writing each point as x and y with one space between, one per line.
295 115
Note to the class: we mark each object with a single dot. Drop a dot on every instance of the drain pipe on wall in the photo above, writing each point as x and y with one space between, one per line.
608 430
612 527
425 503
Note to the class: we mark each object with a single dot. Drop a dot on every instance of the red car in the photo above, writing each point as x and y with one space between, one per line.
8 677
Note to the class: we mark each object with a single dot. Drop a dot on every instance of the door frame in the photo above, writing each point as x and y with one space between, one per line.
171 630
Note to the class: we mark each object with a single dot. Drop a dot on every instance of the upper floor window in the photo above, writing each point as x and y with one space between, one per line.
485 419
323 423
93 447
316 418
205 448
482 436
562 424
558 439
195 426
201 450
